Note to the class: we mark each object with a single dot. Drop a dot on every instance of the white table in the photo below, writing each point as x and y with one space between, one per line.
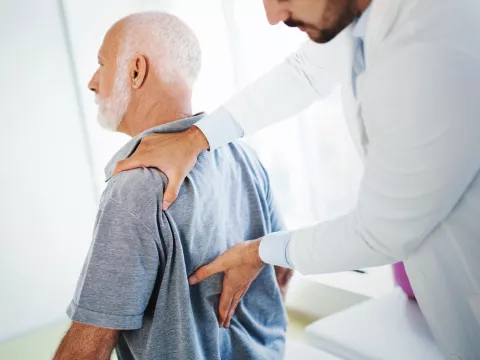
390 327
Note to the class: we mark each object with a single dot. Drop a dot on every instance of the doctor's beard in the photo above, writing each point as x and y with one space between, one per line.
338 14
112 109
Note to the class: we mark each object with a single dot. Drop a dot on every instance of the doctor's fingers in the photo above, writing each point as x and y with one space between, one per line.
173 188
204 272
233 307
230 259
226 299
129 164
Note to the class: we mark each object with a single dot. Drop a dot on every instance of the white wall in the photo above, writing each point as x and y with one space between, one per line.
47 201
87 22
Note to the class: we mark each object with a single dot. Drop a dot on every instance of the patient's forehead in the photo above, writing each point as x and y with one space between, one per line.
112 42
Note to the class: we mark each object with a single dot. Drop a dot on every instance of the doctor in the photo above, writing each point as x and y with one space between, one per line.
410 77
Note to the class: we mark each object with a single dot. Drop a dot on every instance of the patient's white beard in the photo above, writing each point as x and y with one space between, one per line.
112 109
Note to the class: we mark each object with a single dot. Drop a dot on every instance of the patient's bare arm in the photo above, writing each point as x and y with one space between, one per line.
86 342
283 278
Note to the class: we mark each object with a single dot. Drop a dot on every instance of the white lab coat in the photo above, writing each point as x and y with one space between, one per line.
416 123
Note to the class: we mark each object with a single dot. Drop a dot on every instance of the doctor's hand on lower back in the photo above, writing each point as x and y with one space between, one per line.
241 265
175 154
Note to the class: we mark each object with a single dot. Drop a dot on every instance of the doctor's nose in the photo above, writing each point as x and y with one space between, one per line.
275 11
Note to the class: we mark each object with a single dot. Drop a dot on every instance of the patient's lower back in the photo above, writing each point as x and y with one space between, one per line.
226 199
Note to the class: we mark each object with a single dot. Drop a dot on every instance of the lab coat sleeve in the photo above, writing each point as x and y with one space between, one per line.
422 117
282 92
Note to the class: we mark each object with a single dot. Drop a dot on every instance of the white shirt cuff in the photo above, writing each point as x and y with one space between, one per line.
274 249
220 128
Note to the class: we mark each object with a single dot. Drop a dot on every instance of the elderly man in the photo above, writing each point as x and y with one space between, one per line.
133 291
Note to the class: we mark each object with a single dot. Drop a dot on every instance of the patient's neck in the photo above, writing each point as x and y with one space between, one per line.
153 107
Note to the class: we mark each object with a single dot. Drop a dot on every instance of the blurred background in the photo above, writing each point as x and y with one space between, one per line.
53 152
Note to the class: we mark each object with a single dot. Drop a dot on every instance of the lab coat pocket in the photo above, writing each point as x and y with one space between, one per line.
474 303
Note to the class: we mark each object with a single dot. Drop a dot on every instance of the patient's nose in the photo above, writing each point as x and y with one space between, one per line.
93 83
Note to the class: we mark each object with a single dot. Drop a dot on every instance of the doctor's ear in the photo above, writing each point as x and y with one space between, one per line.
138 71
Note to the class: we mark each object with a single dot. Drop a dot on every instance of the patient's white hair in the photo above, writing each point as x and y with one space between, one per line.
172 50
170 45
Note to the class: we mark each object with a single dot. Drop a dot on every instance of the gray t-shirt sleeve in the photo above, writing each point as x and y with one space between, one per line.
121 268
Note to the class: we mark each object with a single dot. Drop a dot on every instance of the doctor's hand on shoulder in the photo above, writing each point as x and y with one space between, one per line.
175 154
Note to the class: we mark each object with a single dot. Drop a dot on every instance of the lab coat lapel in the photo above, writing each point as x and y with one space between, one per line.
382 19
350 105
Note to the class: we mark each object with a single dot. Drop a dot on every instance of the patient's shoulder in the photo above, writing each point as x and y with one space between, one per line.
243 147
244 153
138 190
249 157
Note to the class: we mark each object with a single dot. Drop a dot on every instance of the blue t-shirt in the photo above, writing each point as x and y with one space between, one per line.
135 277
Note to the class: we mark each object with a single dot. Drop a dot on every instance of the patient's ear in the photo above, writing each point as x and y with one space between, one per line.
138 71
